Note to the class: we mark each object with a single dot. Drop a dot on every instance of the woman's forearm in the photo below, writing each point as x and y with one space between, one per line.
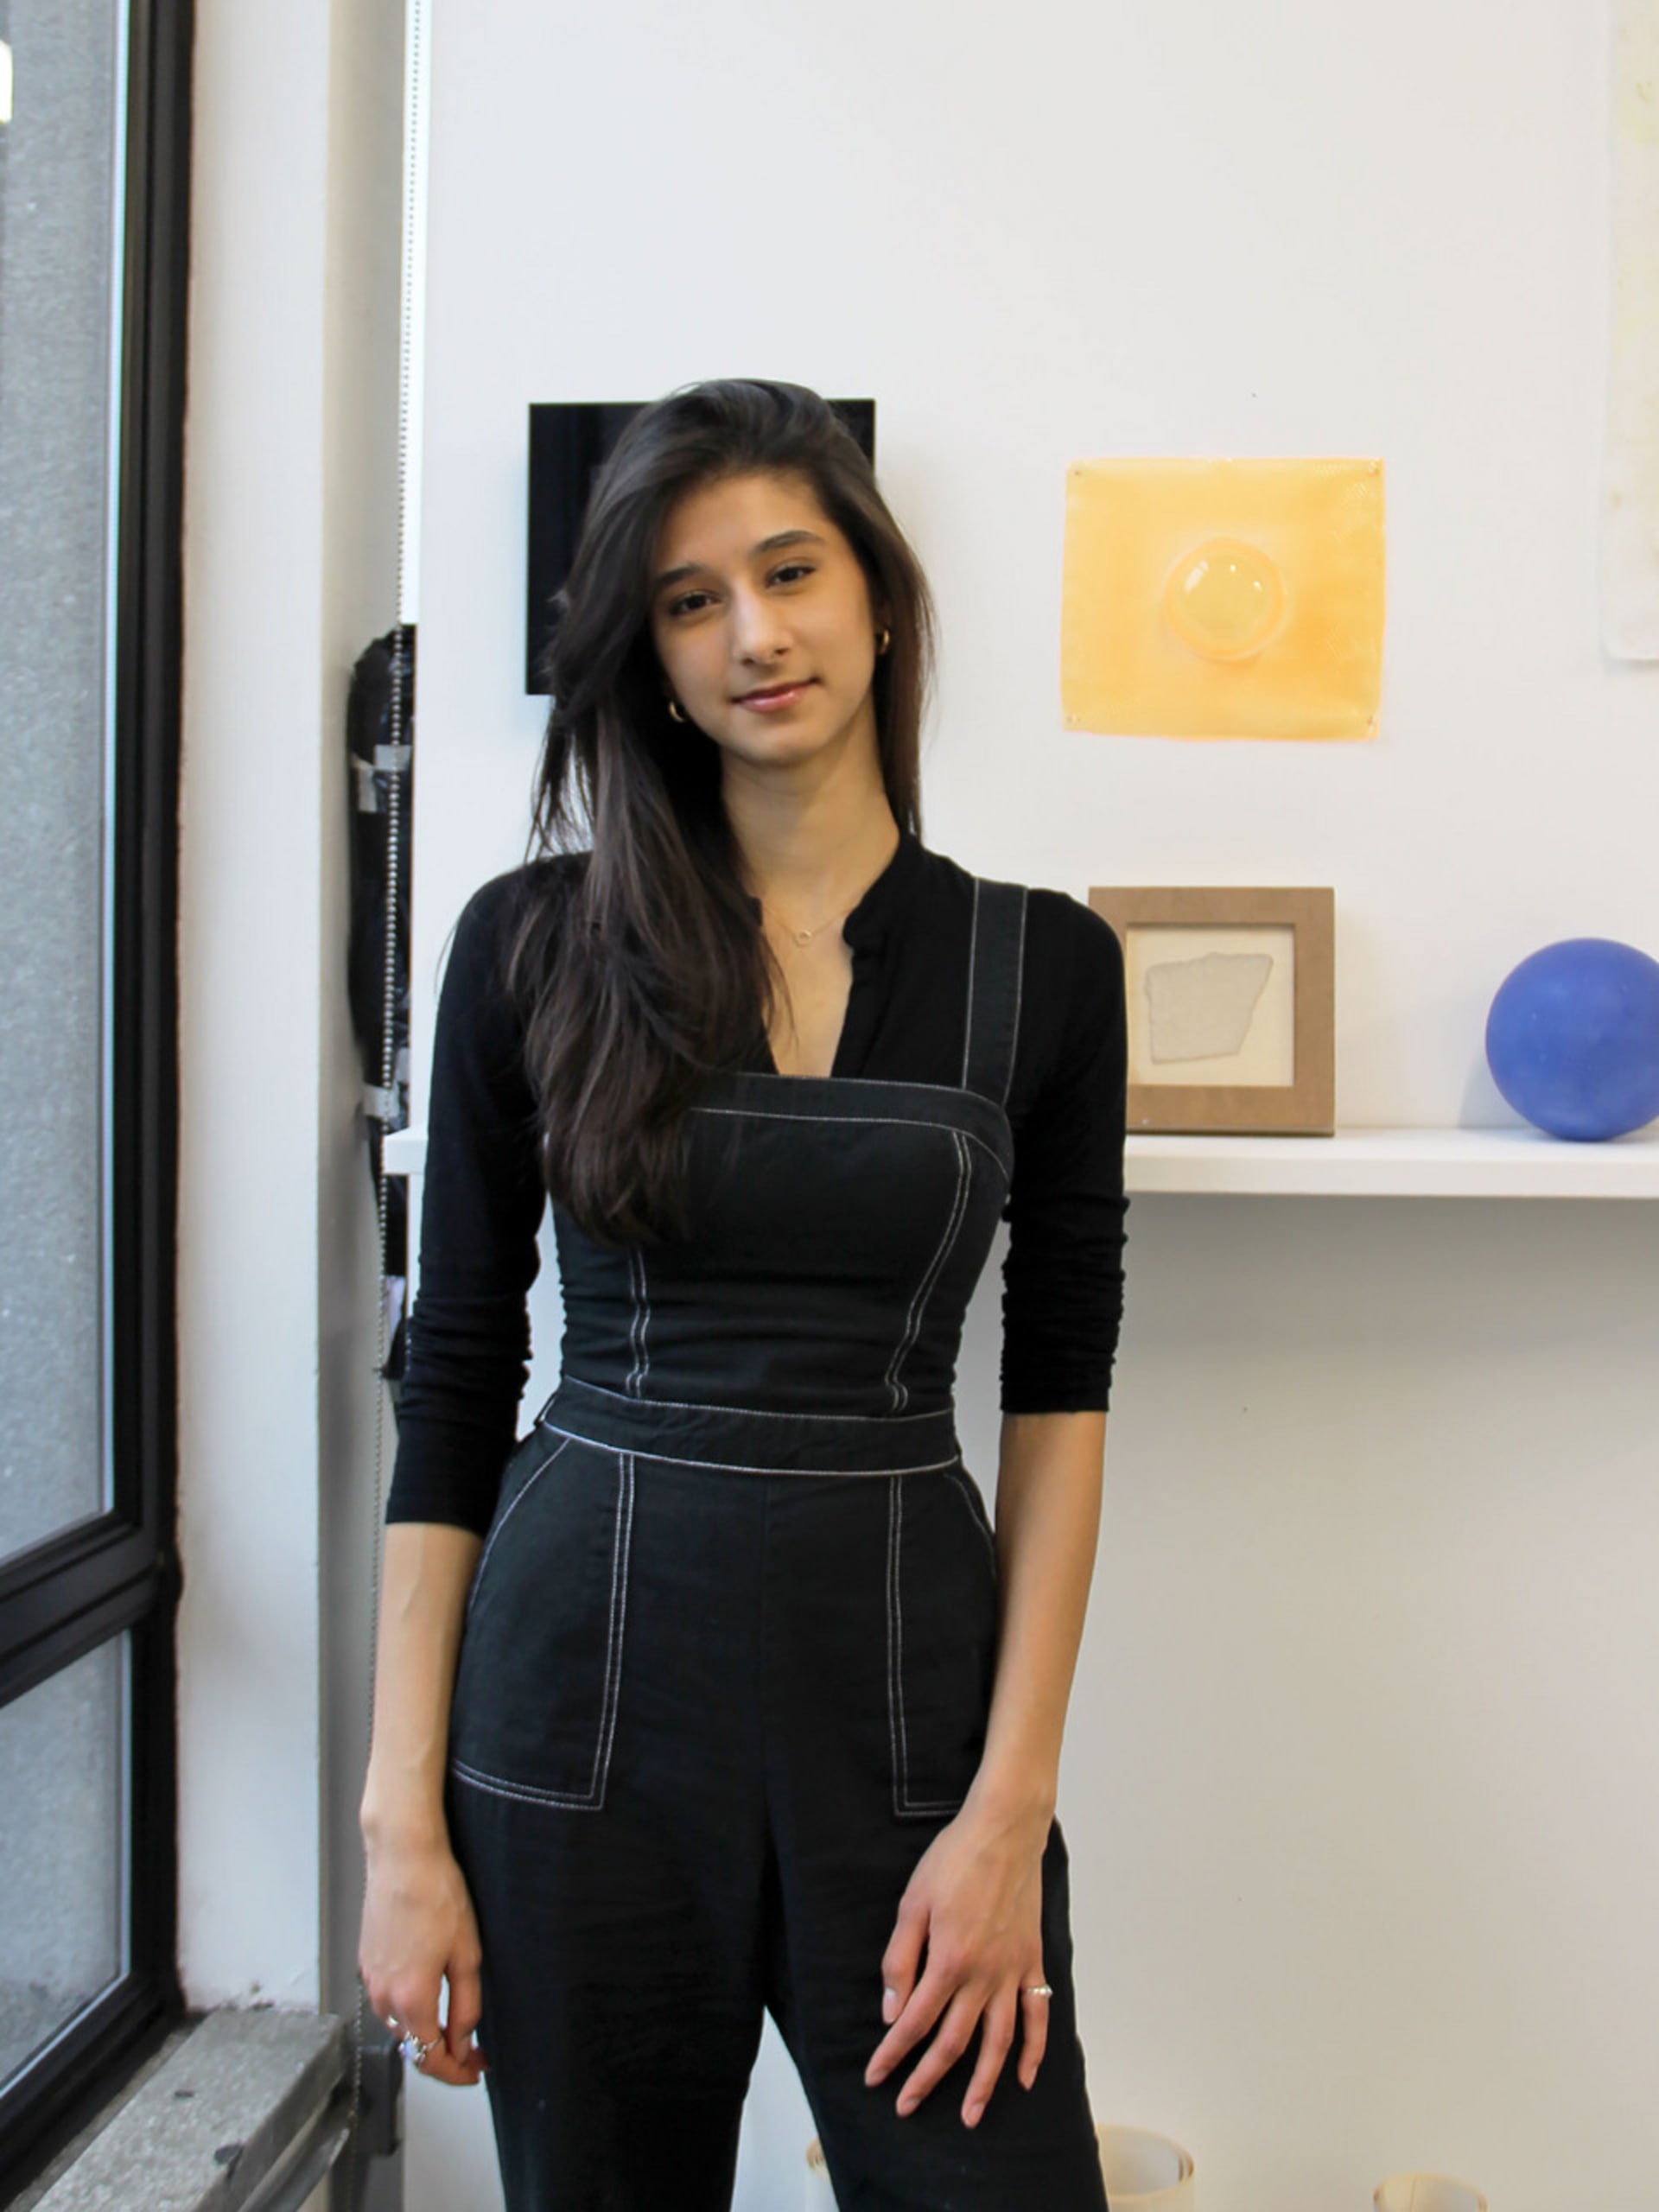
427 1570
1048 1492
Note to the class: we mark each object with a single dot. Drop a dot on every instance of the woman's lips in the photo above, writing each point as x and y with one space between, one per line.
768 703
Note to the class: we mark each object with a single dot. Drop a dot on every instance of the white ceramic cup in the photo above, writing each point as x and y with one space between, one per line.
1144 2172
1426 2193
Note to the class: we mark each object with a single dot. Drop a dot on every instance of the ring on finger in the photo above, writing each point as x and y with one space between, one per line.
415 2051
1038 1989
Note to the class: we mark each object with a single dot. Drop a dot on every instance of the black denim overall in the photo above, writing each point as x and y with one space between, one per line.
729 1658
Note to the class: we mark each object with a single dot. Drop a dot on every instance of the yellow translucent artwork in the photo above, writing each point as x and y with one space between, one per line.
1223 598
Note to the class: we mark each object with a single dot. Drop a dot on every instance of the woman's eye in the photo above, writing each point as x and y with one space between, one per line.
691 602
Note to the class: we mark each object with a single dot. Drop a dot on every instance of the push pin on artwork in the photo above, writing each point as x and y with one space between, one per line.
1230 1001
1223 598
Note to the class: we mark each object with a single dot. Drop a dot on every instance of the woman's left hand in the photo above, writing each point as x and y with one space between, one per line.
973 1903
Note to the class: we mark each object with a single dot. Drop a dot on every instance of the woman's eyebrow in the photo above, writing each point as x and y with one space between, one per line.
766 545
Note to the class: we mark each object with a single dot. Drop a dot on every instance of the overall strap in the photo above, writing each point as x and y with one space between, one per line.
995 952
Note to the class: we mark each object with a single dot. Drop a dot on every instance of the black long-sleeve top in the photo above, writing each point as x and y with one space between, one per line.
1062 1279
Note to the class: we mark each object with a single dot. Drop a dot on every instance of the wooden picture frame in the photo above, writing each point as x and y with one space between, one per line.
1231 1006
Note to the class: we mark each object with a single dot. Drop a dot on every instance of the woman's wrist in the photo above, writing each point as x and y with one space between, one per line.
402 1820
1023 1798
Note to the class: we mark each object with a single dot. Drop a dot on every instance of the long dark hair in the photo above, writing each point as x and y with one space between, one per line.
644 969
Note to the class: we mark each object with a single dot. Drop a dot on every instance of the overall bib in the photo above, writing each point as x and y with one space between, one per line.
727 1661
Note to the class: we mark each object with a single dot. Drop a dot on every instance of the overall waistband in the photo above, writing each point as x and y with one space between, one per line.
749 1439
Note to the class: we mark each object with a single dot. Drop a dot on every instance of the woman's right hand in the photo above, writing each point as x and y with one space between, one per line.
419 1932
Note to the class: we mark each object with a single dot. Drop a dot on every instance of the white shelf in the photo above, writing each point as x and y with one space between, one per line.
1516 1163
1520 1163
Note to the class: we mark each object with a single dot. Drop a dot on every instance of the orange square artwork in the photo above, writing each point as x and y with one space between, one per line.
1223 598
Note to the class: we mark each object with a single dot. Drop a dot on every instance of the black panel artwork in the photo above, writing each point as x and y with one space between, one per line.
569 440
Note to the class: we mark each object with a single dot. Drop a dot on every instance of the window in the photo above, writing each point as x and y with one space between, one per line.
94 106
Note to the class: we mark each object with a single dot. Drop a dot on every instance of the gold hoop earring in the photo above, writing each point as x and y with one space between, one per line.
674 710
883 642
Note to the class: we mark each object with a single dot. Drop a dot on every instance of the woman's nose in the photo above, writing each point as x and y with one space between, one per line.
758 630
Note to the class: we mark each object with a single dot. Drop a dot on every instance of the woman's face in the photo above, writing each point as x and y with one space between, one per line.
756 591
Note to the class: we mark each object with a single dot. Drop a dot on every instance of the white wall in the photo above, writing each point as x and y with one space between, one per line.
291 534
1356 1783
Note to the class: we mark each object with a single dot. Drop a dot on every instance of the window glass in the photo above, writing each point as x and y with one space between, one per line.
62 1792
60 152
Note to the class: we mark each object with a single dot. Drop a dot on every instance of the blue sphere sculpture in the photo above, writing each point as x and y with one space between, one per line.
1572 1039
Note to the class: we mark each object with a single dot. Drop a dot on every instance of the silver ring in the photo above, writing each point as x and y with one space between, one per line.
415 2051
1038 1989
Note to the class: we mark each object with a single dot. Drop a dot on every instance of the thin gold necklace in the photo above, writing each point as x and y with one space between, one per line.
805 937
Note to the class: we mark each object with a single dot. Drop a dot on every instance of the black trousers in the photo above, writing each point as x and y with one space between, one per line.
705 1725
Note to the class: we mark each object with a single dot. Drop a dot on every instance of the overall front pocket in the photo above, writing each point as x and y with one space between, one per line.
942 1605
539 1677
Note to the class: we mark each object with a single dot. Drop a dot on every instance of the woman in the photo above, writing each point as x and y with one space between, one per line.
752 1708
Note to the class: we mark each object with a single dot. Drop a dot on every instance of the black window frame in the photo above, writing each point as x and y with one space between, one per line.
116 1573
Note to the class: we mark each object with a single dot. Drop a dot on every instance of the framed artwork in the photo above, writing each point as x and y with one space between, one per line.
1232 1003
569 439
